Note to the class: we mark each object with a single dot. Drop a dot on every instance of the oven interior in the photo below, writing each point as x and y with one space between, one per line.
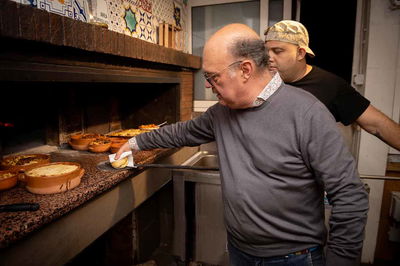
46 113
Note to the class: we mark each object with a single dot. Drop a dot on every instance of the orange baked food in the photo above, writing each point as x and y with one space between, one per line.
24 161
100 145
81 142
126 133
8 179
53 177
149 127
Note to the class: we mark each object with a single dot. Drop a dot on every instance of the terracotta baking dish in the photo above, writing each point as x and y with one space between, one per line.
78 147
83 139
53 183
23 162
100 145
116 143
8 179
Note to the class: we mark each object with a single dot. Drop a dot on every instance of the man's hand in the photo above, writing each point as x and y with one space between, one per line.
121 150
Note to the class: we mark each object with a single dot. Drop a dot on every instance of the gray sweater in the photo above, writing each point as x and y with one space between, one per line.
276 160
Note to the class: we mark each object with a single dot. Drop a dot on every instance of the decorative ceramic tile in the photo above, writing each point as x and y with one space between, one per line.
130 21
177 14
98 11
81 10
116 15
151 34
32 3
142 32
163 10
136 18
145 5
76 9
138 22
180 16
145 23
142 16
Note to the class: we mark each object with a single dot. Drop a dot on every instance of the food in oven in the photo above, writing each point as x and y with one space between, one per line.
24 161
126 133
149 127
8 179
100 145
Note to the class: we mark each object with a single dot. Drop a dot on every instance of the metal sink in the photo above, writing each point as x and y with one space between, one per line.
207 160
202 159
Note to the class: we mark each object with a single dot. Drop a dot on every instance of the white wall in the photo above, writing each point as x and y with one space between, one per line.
380 84
371 228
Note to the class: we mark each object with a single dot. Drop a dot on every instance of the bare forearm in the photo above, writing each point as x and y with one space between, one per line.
378 124
390 134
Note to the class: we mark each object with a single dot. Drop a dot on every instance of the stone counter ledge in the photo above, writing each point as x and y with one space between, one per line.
17 225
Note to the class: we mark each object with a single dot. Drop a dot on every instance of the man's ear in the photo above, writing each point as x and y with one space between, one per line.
247 69
301 53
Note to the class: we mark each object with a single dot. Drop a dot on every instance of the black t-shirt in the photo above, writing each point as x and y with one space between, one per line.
343 101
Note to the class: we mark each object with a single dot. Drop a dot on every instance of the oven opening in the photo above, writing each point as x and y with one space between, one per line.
46 113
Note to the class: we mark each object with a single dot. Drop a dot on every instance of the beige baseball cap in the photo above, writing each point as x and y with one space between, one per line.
289 31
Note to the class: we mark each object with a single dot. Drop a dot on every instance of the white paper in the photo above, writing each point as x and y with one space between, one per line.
128 154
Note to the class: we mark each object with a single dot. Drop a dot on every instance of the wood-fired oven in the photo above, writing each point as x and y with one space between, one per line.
54 84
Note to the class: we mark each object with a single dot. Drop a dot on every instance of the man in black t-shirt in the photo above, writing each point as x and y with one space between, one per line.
287 44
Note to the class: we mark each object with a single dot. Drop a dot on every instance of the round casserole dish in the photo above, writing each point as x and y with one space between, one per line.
8 179
53 177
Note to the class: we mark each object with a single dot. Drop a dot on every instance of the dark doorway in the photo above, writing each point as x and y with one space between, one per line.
331 26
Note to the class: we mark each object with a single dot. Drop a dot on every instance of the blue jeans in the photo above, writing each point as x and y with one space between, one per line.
312 258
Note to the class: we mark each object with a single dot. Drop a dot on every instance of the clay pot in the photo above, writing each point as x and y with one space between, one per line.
116 143
83 139
100 145
8 179
55 183
78 147
76 137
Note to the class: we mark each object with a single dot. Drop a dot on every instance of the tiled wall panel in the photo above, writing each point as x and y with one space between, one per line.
135 18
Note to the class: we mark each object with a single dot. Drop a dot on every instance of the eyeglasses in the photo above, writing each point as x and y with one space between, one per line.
211 77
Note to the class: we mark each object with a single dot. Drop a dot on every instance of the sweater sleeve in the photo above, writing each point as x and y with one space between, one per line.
326 154
189 133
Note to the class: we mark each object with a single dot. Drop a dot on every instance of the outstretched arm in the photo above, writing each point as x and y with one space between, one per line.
378 124
189 133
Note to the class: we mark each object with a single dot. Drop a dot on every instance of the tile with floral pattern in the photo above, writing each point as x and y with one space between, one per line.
76 9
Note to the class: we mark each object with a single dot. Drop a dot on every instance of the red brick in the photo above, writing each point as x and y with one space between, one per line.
42 26
105 40
90 39
9 14
27 22
80 31
68 31
121 44
56 29
113 42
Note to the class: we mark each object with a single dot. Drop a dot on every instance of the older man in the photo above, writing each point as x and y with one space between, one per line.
287 44
279 149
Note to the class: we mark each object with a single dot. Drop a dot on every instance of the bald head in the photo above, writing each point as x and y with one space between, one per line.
224 37
235 42
223 40
235 64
